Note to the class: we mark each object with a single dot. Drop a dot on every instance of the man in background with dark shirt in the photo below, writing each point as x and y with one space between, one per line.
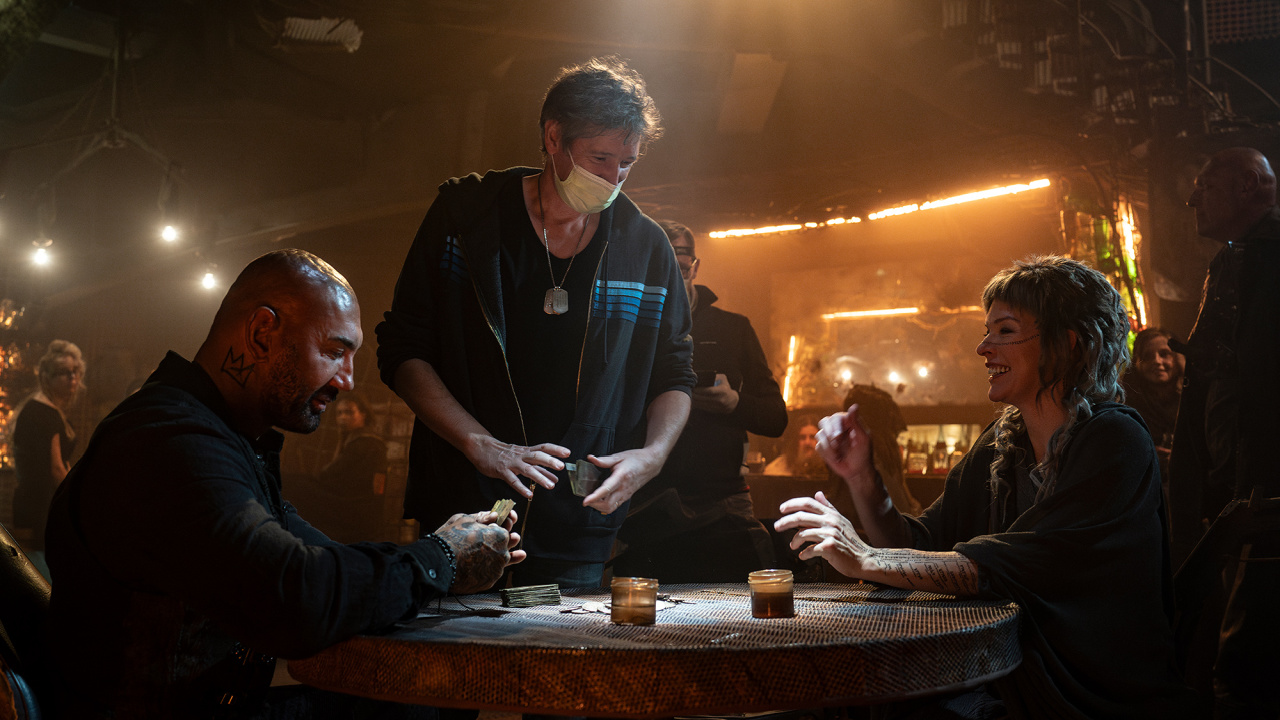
694 522
1229 417
181 571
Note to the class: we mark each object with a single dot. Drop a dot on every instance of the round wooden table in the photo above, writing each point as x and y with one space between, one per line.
847 645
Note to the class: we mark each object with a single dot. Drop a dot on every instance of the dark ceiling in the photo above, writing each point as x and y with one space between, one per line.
773 111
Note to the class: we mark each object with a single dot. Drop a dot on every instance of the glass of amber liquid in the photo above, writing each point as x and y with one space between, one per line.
771 594
635 601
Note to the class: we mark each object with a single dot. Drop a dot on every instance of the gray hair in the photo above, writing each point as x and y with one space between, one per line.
600 95
57 350
1084 330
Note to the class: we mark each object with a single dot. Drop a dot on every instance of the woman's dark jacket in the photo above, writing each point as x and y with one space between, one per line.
1088 565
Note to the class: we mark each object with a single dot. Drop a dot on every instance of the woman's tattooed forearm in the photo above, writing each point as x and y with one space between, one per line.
949 572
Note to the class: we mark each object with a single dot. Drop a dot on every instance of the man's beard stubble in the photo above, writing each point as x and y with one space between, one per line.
289 403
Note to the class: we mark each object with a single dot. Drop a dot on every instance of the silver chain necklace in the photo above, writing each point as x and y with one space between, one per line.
556 301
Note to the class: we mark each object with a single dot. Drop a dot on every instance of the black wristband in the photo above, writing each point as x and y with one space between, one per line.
448 553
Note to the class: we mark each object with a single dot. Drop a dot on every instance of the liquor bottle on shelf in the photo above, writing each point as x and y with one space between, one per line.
917 458
938 458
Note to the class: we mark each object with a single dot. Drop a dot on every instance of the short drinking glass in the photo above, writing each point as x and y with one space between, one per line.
635 601
771 595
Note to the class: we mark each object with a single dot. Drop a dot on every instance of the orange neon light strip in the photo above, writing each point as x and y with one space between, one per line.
870 313
888 212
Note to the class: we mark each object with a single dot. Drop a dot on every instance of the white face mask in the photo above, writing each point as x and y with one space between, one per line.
584 191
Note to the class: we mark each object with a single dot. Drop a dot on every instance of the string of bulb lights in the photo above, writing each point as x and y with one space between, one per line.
42 255
114 134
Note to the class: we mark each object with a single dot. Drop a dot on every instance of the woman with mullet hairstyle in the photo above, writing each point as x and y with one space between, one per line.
1057 507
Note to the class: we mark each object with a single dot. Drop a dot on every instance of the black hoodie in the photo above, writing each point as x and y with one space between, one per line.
448 311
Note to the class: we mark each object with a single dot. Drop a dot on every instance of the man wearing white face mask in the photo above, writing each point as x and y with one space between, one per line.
539 320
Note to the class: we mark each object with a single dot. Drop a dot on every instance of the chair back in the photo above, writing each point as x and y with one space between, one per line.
24 605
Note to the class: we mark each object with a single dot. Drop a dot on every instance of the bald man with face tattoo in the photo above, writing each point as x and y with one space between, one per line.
181 572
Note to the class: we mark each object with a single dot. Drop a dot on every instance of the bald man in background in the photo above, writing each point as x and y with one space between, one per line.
1229 418
181 571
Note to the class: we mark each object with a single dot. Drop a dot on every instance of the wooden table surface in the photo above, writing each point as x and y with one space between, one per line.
847 645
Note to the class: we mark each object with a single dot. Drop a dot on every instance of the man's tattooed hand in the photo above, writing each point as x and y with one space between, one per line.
483 549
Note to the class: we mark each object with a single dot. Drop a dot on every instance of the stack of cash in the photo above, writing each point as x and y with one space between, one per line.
503 509
530 595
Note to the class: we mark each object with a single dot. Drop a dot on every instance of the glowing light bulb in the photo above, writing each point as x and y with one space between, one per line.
40 256
169 233
894 377
846 375
209 281
923 371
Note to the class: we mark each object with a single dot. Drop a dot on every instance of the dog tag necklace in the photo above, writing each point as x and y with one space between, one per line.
556 301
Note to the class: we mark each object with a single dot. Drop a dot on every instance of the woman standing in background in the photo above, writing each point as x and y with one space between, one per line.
43 440
1153 387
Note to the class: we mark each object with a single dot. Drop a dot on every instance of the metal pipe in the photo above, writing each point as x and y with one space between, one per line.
1204 33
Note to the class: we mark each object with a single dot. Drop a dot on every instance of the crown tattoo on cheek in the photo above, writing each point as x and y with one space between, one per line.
234 366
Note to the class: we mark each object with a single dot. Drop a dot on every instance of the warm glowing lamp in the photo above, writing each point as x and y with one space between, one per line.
169 233
891 212
41 256
870 313
209 281
791 366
